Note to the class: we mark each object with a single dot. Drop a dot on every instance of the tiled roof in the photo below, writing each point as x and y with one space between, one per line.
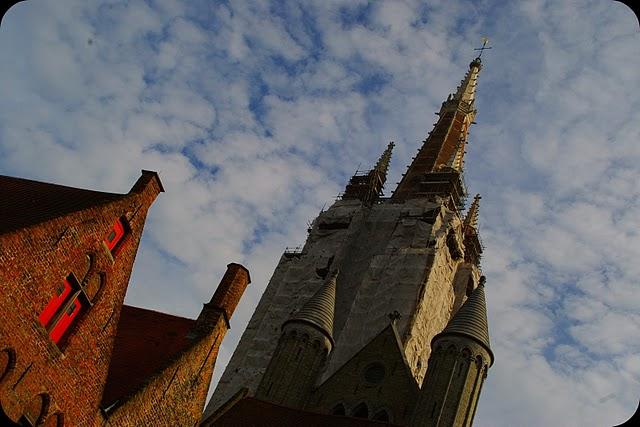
145 343
251 412
24 202
320 308
471 319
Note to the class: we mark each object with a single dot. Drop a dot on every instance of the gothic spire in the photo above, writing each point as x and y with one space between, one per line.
367 187
436 170
466 92
320 309
471 319
471 219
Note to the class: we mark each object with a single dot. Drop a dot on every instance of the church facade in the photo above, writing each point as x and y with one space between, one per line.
381 315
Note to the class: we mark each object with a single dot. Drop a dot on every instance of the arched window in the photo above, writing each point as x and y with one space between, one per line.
381 415
361 411
338 410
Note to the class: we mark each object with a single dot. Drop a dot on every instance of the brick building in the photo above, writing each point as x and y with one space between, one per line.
71 353
381 316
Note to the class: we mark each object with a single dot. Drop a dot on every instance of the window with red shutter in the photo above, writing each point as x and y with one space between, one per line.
70 301
65 320
62 292
116 235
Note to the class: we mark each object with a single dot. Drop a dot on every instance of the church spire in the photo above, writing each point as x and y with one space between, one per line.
466 92
367 187
437 168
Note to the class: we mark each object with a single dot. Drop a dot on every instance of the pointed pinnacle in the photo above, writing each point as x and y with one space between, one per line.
466 90
383 162
472 215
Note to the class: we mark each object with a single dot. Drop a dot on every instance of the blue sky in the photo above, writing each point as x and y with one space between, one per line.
256 113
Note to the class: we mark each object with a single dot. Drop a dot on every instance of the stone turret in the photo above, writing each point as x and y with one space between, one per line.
457 367
305 343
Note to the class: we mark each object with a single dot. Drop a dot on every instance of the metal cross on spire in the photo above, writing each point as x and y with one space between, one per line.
485 40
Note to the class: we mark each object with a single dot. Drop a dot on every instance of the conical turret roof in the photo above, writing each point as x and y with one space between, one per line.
471 319
319 310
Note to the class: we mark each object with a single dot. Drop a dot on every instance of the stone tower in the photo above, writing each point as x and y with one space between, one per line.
414 253
458 366
302 351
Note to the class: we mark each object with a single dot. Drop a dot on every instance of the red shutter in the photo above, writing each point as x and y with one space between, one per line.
116 234
66 319
54 304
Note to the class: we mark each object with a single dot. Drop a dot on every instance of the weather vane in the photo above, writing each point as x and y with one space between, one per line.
485 40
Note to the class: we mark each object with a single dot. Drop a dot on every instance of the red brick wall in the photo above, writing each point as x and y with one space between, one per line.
176 395
33 261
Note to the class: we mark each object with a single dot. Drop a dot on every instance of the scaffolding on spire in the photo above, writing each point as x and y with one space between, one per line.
436 171
368 186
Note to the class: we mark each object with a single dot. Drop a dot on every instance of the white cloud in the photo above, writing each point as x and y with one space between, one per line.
255 116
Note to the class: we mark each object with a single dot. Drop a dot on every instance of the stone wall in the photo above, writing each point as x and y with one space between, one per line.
392 257
391 388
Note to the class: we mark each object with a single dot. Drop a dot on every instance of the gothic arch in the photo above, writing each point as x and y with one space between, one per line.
339 409
360 411
7 362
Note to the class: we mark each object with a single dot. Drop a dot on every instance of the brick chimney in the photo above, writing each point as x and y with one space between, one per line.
224 300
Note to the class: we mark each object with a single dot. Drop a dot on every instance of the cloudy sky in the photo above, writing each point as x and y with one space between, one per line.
255 114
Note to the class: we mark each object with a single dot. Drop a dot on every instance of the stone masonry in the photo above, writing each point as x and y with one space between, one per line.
414 255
